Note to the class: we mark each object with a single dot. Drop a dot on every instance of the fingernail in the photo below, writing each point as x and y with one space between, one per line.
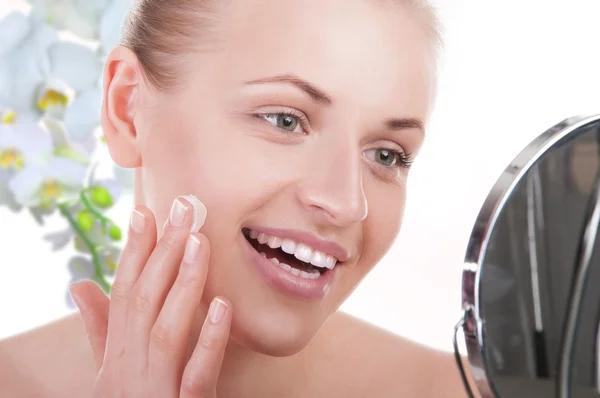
138 221
217 310
192 247
178 210
199 212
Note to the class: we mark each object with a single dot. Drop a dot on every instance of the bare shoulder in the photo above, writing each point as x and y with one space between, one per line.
50 361
371 361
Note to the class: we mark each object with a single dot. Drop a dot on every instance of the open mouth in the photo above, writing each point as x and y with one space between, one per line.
295 257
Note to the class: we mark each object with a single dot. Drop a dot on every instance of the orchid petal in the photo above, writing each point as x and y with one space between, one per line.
91 10
82 117
40 213
76 65
59 239
6 196
25 184
111 24
19 80
80 268
68 172
22 70
13 29
31 140
63 15
34 142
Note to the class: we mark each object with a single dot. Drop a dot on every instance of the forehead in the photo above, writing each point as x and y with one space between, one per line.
363 53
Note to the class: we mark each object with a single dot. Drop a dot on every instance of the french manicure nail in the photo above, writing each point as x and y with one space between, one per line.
177 215
199 212
192 247
217 310
138 221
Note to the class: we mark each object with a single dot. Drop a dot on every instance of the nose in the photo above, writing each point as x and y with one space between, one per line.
332 189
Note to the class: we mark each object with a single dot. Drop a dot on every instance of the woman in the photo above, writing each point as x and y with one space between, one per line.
295 123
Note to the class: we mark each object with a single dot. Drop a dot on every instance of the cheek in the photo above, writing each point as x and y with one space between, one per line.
232 172
386 210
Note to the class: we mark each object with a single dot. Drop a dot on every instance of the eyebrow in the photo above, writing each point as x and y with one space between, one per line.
405 124
317 95
321 97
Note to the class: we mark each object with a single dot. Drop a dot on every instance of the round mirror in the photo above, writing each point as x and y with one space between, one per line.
531 300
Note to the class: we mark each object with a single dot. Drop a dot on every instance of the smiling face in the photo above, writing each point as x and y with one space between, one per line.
300 124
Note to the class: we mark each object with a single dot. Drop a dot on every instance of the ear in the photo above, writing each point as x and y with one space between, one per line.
122 82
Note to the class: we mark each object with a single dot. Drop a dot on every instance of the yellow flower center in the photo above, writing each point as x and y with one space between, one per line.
53 98
11 157
9 117
50 191
112 266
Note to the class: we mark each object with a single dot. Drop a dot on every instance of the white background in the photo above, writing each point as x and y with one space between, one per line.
511 69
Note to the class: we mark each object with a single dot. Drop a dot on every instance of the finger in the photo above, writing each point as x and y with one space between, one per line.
150 291
201 373
140 243
170 333
93 306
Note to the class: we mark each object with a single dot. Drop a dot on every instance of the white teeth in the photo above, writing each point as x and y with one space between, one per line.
308 275
318 258
295 271
262 238
285 266
331 261
288 246
263 254
274 242
303 253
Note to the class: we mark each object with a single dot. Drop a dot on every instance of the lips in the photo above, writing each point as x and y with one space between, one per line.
300 250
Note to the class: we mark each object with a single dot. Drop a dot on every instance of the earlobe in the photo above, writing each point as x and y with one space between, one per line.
122 79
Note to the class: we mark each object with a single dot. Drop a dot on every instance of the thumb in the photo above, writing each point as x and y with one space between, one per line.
93 306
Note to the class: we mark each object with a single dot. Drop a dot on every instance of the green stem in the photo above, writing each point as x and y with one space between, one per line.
90 207
62 207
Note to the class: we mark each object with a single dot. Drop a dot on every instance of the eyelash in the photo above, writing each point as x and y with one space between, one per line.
302 119
404 159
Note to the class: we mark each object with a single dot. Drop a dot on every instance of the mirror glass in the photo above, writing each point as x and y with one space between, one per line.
524 253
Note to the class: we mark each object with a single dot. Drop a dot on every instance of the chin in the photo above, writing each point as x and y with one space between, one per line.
270 335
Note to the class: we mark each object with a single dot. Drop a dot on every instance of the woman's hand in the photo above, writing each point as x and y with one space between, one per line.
140 337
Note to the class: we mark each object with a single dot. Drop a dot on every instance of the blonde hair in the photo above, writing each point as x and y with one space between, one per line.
158 31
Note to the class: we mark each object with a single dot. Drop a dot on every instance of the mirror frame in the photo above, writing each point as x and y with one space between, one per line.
471 322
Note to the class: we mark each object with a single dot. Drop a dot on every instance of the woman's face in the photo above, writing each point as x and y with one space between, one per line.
290 125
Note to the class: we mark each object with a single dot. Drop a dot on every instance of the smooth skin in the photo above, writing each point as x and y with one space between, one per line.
215 136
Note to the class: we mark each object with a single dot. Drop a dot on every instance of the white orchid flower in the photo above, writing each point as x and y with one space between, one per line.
23 145
44 76
81 17
20 145
44 185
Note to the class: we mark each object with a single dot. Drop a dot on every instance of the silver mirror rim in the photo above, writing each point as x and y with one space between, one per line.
472 322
